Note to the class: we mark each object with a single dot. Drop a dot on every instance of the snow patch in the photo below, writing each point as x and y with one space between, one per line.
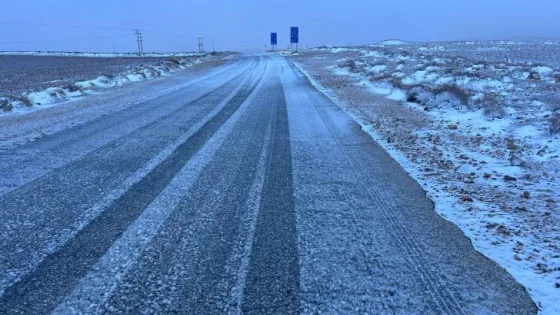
25 103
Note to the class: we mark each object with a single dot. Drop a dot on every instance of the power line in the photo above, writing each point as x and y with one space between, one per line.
62 39
92 27
67 26
134 31
163 32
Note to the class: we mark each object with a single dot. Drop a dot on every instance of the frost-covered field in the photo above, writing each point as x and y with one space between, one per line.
478 125
31 81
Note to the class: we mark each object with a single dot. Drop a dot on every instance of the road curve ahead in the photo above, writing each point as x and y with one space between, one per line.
243 191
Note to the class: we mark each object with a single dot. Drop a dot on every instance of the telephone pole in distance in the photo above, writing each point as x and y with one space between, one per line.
139 42
200 44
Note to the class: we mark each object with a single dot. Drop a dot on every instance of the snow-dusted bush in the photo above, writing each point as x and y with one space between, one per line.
57 93
492 105
399 84
452 90
104 80
8 102
5 105
176 61
22 99
350 64
418 94
72 87
554 124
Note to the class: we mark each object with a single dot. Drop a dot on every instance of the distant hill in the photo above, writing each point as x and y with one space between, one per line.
394 42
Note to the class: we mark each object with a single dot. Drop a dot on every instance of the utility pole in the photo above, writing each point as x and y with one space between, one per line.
139 41
200 44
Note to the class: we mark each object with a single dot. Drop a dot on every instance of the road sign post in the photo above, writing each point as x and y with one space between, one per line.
273 40
294 36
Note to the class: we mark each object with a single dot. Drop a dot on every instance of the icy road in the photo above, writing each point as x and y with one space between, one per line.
241 189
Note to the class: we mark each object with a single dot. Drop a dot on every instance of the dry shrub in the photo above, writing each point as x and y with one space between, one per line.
5 105
492 105
447 70
382 76
534 76
176 61
554 124
72 87
153 72
397 83
22 99
419 95
57 93
104 79
350 64
461 94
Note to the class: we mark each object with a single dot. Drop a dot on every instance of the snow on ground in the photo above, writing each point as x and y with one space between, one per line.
26 102
482 138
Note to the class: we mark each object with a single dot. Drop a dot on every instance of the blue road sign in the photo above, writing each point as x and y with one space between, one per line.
273 39
294 35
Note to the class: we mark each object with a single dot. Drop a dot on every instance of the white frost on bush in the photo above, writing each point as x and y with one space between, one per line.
421 76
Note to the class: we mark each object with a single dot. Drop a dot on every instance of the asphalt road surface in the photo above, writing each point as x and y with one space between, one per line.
243 191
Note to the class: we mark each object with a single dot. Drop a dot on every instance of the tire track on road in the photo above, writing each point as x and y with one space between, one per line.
190 264
75 142
43 288
47 212
442 296
93 291
272 280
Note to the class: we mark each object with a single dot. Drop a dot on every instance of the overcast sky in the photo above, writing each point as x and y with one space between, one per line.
242 25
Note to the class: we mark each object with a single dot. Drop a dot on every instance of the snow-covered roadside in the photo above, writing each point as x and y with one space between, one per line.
24 103
491 170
